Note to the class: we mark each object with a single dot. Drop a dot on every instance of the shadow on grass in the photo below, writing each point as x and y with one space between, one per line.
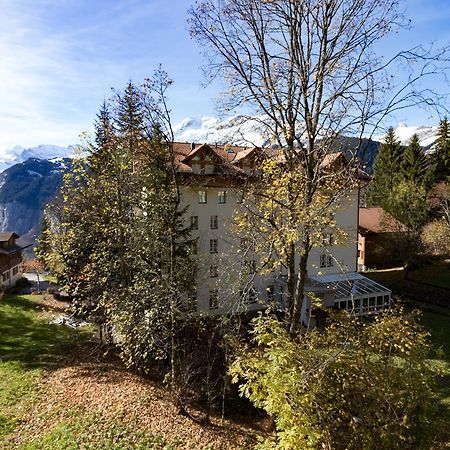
28 338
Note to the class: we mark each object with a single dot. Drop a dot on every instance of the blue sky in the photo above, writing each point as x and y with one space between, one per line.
59 59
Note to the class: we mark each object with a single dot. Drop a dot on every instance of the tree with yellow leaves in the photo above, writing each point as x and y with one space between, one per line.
307 72
357 384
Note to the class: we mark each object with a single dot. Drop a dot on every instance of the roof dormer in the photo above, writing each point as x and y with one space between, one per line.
249 159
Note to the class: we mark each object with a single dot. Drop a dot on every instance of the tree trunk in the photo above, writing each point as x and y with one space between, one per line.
300 288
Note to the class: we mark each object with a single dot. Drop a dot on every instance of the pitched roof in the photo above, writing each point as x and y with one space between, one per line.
11 250
332 158
6 236
223 156
377 220
244 153
228 156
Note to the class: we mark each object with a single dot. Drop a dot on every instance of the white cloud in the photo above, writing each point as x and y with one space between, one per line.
51 80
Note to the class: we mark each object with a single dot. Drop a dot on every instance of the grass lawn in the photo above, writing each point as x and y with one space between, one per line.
436 320
60 390
388 277
29 348
27 343
56 393
437 274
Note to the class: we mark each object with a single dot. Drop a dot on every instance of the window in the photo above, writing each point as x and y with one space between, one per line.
193 247
202 196
240 197
213 299
6 276
339 305
222 195
327 239
365 303
213 247
270 293
326 261
192 301
194 222
323 260
213 223
15 270
213 271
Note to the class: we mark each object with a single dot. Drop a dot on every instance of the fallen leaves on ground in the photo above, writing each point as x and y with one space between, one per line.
87 383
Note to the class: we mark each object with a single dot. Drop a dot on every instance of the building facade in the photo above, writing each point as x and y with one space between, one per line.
10 259
229 276
380 239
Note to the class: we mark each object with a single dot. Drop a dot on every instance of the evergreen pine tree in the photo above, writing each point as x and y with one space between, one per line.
414 164
129 119
441 157
386 171
127 254
104 137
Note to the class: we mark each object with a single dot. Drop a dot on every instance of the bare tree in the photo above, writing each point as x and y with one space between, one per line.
309 71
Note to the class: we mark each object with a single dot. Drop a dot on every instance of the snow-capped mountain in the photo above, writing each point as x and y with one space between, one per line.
20 154
212 130
32 176
238 131
427 135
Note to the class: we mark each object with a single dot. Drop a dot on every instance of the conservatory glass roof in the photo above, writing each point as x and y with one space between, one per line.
351 285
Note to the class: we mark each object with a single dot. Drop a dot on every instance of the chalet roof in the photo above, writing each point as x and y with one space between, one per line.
23 243
223 156
11 250
332 158
227 157
377 220
16 248
244 153
6 236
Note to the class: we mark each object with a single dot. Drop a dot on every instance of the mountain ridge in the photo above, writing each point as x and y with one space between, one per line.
205 129
26 186
19 154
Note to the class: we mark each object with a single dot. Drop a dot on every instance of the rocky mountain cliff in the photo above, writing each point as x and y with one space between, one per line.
25 189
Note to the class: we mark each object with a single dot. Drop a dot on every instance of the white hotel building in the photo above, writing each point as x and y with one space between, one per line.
211 176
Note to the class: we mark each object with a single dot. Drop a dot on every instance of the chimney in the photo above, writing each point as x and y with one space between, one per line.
193 146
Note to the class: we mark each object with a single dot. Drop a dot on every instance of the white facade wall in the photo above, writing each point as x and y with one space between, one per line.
229 256
344 256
